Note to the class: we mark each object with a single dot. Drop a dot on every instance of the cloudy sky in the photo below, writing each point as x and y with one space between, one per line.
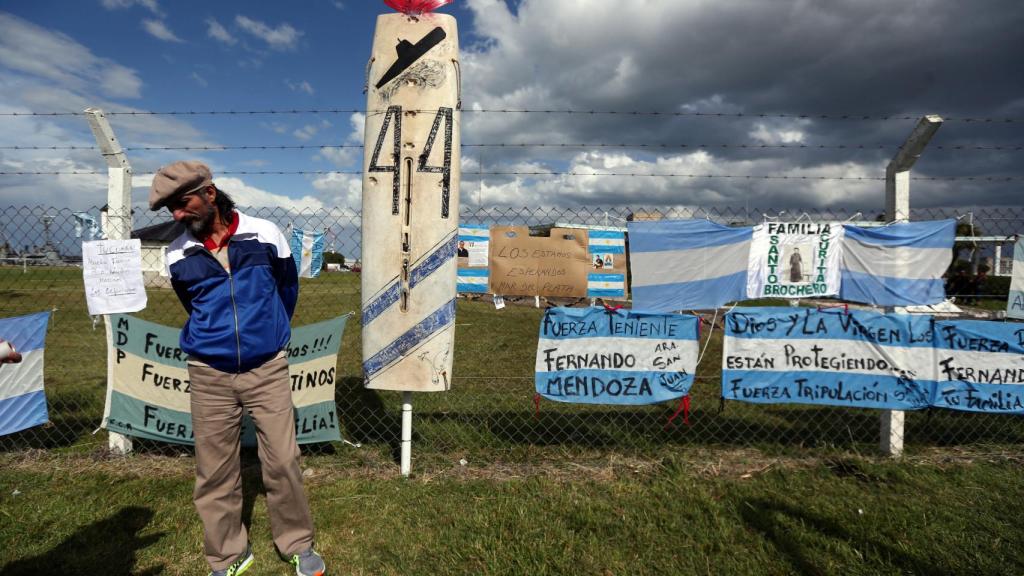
775 91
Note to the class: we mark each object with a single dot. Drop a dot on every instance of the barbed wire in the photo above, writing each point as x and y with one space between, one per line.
673 113
958 147
562 173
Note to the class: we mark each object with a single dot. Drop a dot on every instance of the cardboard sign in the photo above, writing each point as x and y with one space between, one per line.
527 265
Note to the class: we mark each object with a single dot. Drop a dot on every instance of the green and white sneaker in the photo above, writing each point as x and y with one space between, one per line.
238 566
308 563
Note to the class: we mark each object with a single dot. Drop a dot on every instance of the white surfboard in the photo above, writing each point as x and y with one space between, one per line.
411 203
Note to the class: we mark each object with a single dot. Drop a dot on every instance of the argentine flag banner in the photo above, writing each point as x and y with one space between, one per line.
979 366
687 264
805 356
149 395
308 250
471 253
896 265
604 356
607 249
22 399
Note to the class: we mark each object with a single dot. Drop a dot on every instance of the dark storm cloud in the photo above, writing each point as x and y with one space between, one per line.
784 57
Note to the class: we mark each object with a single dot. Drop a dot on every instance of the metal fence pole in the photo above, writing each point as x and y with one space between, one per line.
897 209
119 213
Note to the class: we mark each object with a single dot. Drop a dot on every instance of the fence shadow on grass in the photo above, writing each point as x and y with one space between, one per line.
789 528
105 547
609 427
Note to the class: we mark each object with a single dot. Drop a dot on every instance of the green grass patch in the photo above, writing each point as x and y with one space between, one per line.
682 515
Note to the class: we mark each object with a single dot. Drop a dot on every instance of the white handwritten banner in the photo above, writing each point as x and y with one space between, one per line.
980 366
599 356
112 271
148 390
794 260
801 355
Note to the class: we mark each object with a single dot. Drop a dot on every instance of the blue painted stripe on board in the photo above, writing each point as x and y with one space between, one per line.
897 330
570 323
27 332
468 238
826 388
20 412
888 291
665 235
605 249
473 272
935 234
598 277
433 261
696 295
612 386
607 234
382 303
971 397
428 326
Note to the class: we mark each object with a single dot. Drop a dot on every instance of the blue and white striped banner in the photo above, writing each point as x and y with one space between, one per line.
598 356
473 274
308 250
897 265
607 245
22 399
1015 302
800 355
687 264
980 366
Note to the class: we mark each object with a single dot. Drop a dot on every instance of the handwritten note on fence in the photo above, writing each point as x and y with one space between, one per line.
112 270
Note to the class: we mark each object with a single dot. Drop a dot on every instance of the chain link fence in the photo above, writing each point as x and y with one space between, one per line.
491 407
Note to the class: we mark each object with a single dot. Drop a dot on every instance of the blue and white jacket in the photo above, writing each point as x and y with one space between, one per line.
239 319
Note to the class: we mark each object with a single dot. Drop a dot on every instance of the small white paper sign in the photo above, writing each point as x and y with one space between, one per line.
112 270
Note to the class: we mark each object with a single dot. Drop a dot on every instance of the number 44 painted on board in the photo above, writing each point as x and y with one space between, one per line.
394 115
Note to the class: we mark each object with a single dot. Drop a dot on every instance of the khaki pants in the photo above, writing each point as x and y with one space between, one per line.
218 399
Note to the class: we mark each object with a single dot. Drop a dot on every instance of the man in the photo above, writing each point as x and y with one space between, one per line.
236 278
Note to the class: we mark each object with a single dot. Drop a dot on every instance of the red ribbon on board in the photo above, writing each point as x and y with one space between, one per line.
416 7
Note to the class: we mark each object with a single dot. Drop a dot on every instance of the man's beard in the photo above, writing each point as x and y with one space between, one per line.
202 224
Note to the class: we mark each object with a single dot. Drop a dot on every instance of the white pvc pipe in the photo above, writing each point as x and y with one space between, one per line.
406 465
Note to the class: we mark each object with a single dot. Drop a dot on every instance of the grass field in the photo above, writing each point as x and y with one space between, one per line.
502 487
691 513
